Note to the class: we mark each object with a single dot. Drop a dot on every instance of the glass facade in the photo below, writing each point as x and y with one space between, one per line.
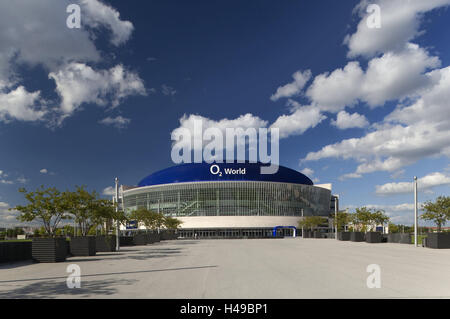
230 198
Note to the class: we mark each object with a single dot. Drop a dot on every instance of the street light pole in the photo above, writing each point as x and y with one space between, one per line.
415 211
336 203
117 214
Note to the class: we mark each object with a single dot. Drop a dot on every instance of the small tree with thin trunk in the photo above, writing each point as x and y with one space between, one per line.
44 204
438 211
312 222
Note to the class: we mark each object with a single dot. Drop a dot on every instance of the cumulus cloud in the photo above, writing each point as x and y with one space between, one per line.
400 23
118 121
392 76
19 104
307 171
43 171
293 88
109 191
423 183
78 83
8 217
99 14
299 120
345 120
188 122
33 34
411 132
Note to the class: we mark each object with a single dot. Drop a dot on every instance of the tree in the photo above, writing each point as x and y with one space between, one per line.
171 222
45 204
379 217
312 222
343 218
149 218
89 210
438 211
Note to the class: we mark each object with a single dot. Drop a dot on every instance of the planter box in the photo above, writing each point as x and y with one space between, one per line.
15 251
373 237
393 238
105 243
140 239
357 236
317 234
307 234
82 246
344 236
405 239
438 240
49 250
126 241
168 235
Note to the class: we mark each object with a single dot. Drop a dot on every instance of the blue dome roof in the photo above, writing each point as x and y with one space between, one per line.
201 172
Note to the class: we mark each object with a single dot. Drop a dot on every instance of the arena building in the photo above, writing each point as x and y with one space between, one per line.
230 199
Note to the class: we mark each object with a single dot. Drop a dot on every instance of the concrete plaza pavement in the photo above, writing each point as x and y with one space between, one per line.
239 268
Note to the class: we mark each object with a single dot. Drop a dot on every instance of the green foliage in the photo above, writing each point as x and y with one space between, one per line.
364 217
149 218
311 222
89 211
438 211
172 223
45 204
343 218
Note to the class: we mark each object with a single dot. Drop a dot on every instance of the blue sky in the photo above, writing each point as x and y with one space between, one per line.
368 111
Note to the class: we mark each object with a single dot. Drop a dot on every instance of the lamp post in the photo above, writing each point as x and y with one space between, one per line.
415 211
336 203
117 214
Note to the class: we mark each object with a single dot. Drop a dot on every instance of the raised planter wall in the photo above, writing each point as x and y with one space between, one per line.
105 243
405 239
317 234
82 246
438 240
15 251
345 236
49 250
373 237
357 236
140 239
126 241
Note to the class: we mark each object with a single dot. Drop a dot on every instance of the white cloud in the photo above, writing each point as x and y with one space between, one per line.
293 88
349 175
19 104
389 77
34 33
300 119
423 183
118 122
109 191
307 171
98 14
244 121
43 171
345 120
168 90
409 133
7 217
400 23
78 83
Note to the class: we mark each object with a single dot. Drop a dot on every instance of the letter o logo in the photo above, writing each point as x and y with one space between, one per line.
214 169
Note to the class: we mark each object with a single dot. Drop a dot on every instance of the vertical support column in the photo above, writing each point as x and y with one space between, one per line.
117 211
415 211
336 209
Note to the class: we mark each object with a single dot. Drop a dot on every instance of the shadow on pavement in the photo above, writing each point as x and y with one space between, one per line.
54 289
